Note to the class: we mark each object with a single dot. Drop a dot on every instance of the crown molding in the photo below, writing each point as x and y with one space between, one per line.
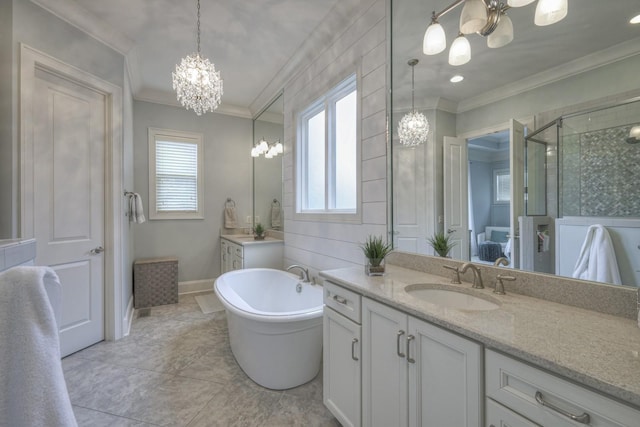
169 99
71 12
586 63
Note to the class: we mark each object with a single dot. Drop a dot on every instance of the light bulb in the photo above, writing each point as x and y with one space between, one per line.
519 3
473 16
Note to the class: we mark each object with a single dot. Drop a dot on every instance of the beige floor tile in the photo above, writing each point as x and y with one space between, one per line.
90 418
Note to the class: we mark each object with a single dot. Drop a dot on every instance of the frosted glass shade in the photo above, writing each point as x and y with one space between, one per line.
635 132
519 3
550 11
435 40
473 16
502 35
460 52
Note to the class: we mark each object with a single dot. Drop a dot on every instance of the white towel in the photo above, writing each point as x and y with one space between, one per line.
597 259
136 210
33 391
230 217
276 216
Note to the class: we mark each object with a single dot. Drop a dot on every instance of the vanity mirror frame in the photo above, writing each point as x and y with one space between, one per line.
259 181
536 115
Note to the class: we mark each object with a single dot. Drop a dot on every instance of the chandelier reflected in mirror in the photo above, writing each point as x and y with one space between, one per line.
197 83
413 128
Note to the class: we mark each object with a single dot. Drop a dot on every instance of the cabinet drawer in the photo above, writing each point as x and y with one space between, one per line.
499 416
342 300
515 384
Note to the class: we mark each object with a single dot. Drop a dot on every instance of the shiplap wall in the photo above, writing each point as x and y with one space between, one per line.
363 45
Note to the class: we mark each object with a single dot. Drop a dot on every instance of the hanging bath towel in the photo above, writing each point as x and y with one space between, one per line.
276 214
136 210
597 259
230 215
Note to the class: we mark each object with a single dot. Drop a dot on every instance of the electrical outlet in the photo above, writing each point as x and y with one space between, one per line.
248 219
440 219
257 219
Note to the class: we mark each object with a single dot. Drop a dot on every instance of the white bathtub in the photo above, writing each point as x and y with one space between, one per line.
275 332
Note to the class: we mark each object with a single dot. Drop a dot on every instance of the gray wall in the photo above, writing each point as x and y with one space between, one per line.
127 181
227 168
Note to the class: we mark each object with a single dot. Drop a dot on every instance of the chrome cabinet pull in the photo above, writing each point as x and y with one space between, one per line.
340 300
353 349
409 339
96 251
582 419
400 334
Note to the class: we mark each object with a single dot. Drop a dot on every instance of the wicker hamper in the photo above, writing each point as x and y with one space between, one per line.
155 282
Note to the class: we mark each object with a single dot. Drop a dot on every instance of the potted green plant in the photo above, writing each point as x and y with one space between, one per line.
375 249
258 232
441 243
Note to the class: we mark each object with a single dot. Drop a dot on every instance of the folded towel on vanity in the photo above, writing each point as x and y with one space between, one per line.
33 391
597 258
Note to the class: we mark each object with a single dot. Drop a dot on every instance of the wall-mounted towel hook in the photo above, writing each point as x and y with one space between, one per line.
230 202
128 193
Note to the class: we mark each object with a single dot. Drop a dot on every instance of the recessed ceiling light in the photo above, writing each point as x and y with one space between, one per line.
635 19
456 79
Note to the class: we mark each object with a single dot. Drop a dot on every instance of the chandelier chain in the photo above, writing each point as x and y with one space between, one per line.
198 27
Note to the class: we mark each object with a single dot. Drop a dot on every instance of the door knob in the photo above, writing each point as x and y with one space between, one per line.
96 251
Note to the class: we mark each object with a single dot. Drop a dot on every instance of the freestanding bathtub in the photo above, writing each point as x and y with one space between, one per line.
275 332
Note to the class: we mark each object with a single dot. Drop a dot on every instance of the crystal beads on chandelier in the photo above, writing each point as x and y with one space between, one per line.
413 129
197 84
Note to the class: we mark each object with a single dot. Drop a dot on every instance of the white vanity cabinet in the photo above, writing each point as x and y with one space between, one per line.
241 252
342 354
409 363
535 397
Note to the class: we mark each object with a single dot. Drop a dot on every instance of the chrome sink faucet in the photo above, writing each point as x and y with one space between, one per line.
477 278
500 285
304 273
501 261
456 270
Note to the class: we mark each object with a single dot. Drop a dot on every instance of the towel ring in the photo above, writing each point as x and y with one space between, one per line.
275 203
230 203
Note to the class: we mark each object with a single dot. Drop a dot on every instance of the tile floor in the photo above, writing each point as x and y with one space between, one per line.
176 369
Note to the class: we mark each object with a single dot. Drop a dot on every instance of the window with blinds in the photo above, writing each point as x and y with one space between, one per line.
502 189
175 182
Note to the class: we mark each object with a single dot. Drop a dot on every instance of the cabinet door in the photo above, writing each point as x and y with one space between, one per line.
341 372
499 416
384 365
223 256
445 378
236 257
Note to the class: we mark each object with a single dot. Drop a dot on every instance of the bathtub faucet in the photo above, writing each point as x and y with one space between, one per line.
304 273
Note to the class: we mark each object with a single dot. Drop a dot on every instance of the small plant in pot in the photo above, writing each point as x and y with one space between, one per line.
375 249
258 232
441 243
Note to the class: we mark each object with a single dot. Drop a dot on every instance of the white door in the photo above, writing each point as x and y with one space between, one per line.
516 165
456 214
409 199
68 155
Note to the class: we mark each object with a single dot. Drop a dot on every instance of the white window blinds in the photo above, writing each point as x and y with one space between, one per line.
176 176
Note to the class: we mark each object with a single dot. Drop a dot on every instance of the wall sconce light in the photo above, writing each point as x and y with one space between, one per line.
487 18
269 151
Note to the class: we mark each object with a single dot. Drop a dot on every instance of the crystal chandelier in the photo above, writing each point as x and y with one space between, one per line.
196 81
413 127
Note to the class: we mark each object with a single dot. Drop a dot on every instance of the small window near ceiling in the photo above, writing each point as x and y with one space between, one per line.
327 154
502 186
175 174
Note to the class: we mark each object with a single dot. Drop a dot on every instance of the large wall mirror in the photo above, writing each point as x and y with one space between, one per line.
268 135
528 144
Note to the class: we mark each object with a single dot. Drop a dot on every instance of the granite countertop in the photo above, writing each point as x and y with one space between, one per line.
598 350
247 239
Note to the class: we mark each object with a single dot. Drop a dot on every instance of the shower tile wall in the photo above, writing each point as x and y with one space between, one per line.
600 174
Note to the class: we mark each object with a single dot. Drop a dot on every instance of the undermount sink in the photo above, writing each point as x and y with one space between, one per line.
435 294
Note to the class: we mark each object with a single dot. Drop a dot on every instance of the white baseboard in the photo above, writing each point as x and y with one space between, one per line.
195 286
128 318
